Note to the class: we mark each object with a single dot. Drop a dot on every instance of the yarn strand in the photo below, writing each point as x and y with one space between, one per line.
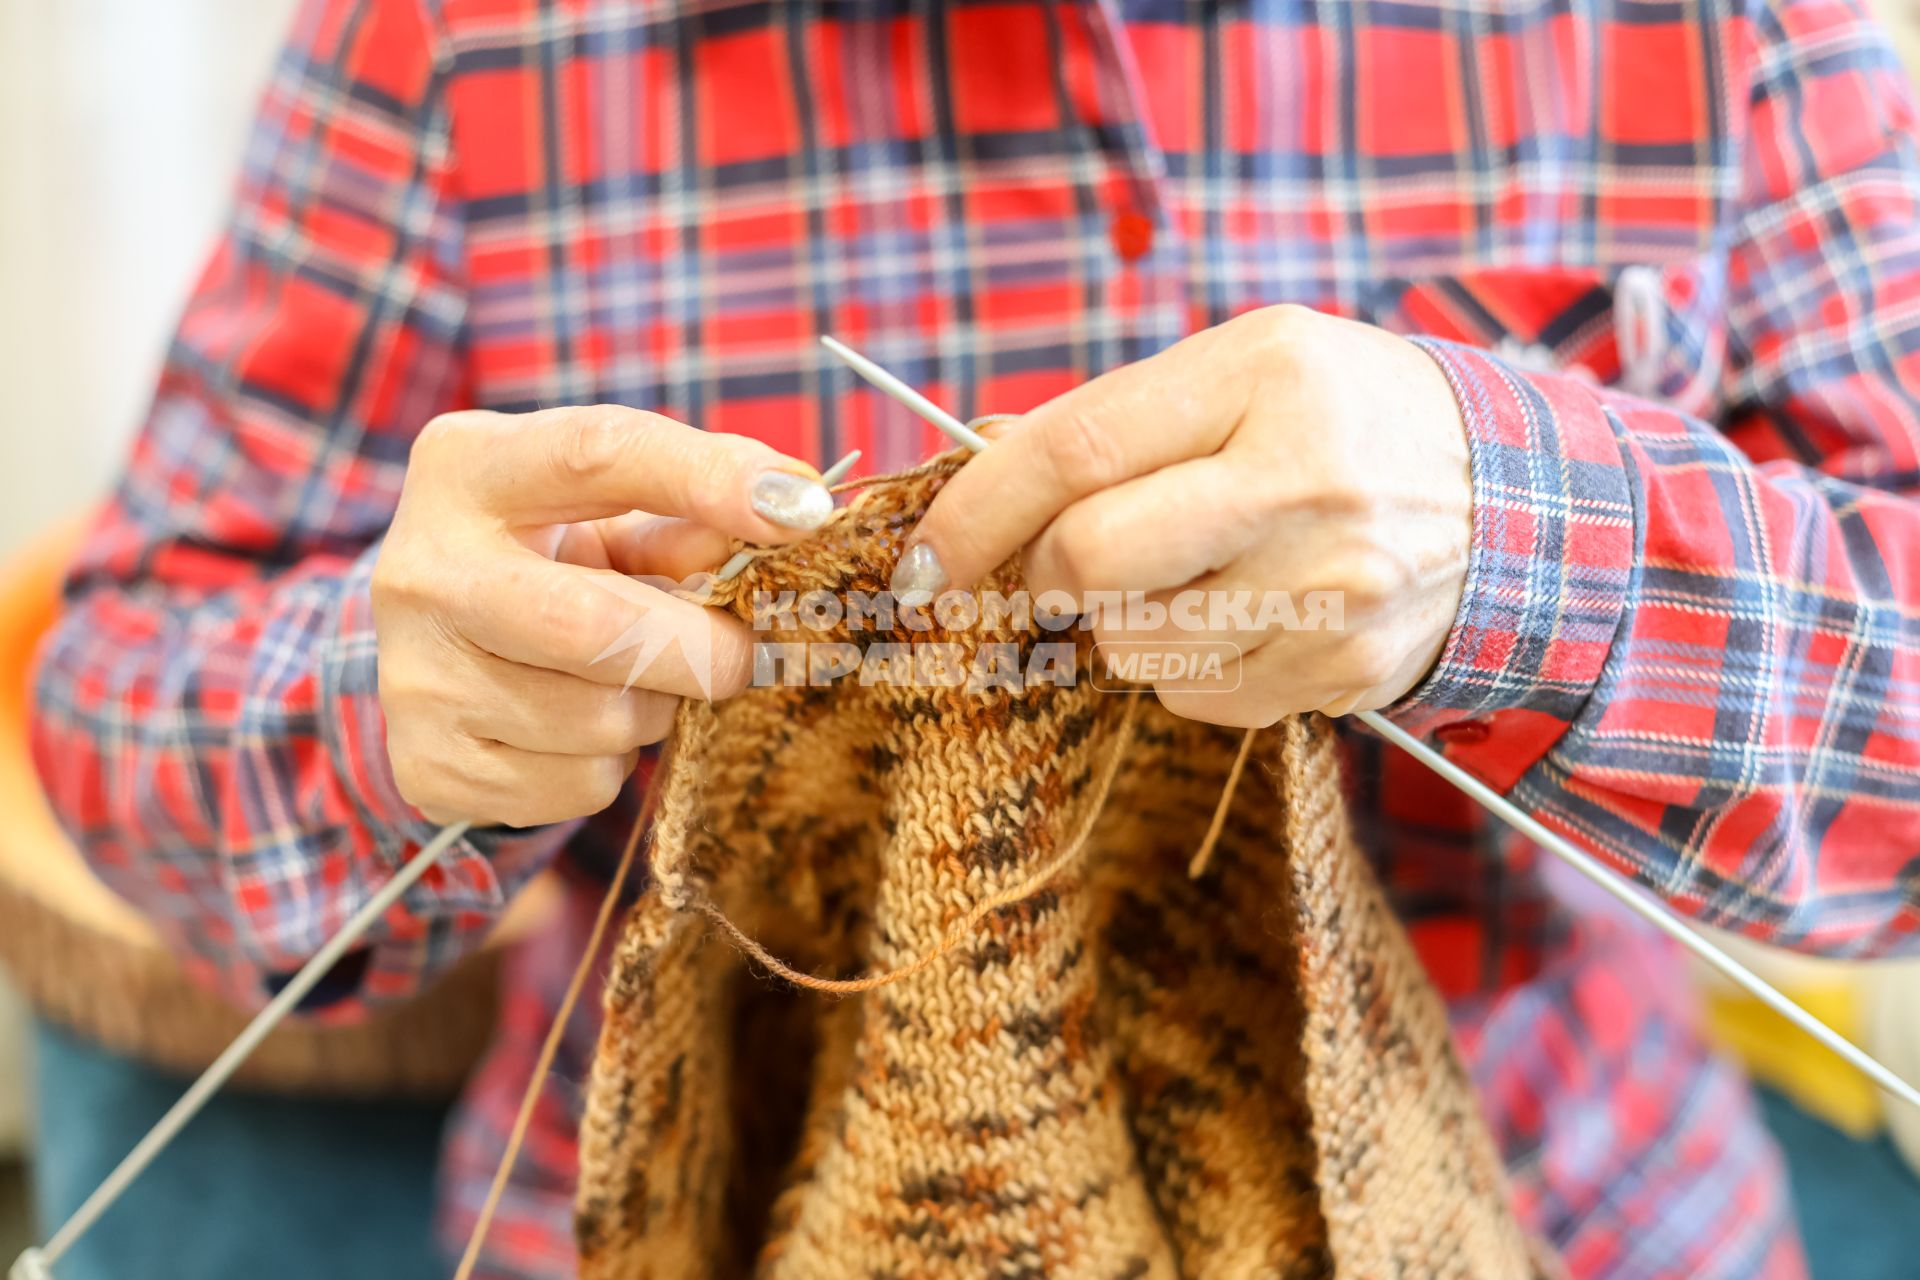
980 910
557 1029
1204 855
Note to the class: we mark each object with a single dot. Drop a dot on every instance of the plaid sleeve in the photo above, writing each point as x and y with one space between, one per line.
207 722
1697 650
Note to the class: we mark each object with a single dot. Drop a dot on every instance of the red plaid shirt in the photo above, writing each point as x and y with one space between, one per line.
1691 634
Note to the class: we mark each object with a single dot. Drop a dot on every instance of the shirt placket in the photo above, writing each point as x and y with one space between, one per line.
1109 94
1139 166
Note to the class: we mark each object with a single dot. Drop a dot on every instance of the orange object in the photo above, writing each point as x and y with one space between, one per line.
36 857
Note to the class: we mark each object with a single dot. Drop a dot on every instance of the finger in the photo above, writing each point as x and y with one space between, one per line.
583 544
563 465
663 546
638 543
499 785
1155 532
1178 405
605 627
1331 673
1227 607
1250 690
554 714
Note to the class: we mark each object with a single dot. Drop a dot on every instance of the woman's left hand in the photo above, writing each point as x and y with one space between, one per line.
1282 452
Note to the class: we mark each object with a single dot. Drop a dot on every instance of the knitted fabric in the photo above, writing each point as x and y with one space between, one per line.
1123 1072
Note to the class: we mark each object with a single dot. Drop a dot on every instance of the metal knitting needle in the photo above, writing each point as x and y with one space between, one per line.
34 1264
834 474
1646 906
1637 900
954 429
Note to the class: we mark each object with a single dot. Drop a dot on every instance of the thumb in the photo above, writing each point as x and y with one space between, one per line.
662 546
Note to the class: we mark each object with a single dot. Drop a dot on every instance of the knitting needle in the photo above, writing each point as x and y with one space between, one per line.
34 1264
1645 905
955 430
1636 900
832 476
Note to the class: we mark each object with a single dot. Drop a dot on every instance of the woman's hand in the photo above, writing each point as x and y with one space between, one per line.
521 668
1282 452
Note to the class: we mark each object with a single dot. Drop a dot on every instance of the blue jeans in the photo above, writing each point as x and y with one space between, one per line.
257 1187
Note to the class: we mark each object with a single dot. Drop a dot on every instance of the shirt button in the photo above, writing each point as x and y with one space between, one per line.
1132 234
1464 733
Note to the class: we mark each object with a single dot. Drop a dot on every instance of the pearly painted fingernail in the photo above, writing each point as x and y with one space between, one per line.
791 501
919 576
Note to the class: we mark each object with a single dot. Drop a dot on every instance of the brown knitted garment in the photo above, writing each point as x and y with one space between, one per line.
1126 1073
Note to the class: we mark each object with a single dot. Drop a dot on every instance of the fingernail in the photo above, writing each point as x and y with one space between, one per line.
994 425
791 501
918 577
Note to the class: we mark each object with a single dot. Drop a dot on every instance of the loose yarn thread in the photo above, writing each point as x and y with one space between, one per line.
550 1047
1204 855
980 910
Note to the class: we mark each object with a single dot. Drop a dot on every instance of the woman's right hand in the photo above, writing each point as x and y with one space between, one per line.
508 573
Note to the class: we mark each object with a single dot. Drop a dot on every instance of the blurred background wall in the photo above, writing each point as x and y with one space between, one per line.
121 122
1903 20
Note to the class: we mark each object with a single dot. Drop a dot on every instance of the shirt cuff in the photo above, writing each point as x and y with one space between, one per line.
1551 557
481 873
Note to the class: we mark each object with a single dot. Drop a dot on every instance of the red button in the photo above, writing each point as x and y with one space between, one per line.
1464 733
1132 234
